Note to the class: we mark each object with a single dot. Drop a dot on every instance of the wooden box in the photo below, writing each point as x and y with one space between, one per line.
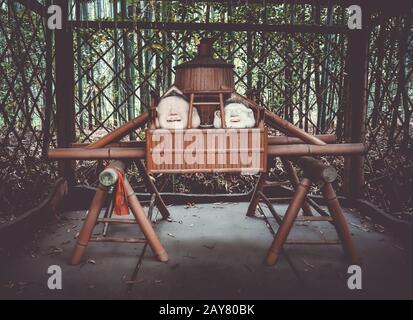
207 150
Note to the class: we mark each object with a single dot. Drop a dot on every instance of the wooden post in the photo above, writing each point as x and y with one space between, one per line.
356 106
255 199
87 228
292 175
65 109
340 223
150 185
221 108
191 110
288 221
48 87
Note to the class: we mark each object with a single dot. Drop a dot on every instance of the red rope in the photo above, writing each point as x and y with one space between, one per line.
121 198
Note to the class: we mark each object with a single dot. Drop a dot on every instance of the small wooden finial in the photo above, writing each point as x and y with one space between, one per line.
205 47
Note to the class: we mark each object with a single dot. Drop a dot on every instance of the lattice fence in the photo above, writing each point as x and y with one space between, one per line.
389 164
27 108
300 76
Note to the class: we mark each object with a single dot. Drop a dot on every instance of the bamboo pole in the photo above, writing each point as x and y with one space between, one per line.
144 223
289 128
97 154
316 170
311 150
255 199
272 140
340 223
288 221
120 132
277 140
140 153
92 217
150 185
292 175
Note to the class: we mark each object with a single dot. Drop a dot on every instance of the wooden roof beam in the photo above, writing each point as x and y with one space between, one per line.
226 27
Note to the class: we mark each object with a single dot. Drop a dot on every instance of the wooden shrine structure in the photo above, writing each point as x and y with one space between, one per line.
207 84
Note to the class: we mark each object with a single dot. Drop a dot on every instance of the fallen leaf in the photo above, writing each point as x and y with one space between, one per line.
360 227
398 247
308 264
134 281
54 250
209 247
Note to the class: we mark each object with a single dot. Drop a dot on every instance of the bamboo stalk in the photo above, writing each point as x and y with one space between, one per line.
316 170
97 154
308 149
274 140
288 221
140 153
144 223
120 132
289 128
277 140
121 144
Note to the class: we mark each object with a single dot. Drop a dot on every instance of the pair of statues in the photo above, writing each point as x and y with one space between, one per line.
173 109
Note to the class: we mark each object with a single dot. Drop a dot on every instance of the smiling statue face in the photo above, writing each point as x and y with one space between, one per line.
237 116
173 114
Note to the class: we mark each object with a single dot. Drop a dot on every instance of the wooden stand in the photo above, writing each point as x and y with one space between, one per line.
259 188
314 169
152 189
221 94
140 219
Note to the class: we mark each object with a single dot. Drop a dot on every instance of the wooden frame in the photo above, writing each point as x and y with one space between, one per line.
177 149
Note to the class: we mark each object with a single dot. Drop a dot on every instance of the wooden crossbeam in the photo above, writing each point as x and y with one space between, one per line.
120 240
197 26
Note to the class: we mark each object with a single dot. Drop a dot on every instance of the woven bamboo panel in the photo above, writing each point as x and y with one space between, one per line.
207 150
204 79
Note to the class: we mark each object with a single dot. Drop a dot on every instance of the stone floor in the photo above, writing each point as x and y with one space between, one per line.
215 253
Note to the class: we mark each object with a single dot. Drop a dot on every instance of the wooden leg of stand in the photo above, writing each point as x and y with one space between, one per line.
255 199
152 189
145 224
288 221
340 223
292 175
191 110
90 222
